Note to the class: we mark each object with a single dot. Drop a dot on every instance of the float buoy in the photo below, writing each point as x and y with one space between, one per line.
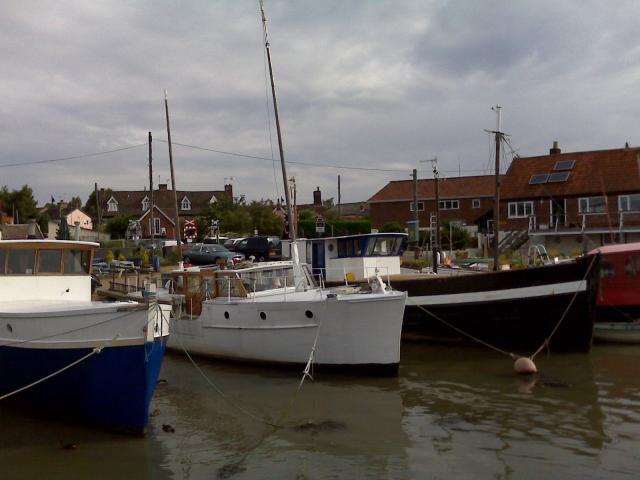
525 365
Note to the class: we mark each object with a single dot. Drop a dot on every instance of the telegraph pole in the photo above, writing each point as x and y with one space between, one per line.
437 236
496 200
151 227
416 218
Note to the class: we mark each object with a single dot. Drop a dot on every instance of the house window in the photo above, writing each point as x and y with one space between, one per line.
185 204
156 226
449 204
475 203
520 209
592 205
146 204
629 203
112 205
420 207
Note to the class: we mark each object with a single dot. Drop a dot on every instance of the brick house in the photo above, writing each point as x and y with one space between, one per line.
468 200
573 202
137 204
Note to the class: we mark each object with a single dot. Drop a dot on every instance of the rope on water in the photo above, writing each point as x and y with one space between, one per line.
307 373
95 351
566 310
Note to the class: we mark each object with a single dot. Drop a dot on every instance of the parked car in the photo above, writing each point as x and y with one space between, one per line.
230 243
261 248
208 254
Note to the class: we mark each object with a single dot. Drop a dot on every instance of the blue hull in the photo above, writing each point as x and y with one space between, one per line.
113 388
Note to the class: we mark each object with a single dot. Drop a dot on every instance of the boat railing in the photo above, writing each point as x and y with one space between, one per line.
320 274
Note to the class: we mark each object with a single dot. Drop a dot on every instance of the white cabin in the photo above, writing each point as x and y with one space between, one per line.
352 257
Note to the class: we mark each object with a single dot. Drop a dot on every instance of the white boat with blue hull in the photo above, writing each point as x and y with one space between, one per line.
66 356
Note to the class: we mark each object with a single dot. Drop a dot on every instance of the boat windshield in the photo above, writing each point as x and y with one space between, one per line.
261 280
44 261
384 246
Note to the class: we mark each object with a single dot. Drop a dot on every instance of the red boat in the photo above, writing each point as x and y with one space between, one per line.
618 297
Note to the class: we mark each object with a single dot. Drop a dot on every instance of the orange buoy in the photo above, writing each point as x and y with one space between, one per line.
525 365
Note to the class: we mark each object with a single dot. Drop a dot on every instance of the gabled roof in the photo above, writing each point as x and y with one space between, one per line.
18 231
593 173
130 201
454 187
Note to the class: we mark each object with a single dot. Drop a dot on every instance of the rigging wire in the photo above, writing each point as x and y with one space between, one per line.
74 157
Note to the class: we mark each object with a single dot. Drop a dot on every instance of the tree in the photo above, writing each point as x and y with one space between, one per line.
232 215
74 203
20 203
391 227
306 215
117 226
63 231
264 219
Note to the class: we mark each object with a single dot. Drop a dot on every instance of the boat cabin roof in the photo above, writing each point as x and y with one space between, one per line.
618 248
75 244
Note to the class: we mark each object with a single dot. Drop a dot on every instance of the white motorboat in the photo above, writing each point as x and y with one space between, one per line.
266 313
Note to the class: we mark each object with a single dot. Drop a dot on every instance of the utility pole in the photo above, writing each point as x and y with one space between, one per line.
98 210
151 226
173 180
496 200
339 199
416 218
434 163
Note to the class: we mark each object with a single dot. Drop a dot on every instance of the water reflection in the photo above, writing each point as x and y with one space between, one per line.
451 413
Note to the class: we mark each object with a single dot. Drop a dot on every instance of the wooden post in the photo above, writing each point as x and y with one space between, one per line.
151 192
173 179
496 200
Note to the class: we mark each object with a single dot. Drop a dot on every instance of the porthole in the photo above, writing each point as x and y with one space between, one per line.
309 314
9 327
263 315
226 315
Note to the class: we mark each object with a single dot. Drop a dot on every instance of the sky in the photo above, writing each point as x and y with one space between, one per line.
363 85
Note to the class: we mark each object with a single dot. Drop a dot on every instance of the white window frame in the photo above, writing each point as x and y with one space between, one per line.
526 208
157 227
112 205
475 203
420 207
586 202
185 204
146 204
449 204
626 199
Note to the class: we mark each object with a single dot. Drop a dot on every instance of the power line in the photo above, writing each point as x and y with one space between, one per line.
74 157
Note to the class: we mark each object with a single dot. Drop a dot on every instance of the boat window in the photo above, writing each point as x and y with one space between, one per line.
384 246
21 262
350 247
3 259
50 261
357 247
76 261
260 280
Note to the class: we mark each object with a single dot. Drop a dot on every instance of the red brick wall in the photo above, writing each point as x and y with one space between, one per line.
388 212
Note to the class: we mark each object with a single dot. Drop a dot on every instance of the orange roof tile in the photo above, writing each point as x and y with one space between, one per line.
454 187
594 173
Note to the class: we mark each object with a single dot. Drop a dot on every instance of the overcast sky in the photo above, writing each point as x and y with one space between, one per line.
375 84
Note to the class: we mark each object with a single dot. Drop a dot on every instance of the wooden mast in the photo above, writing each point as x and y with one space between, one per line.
173 180
292 226
151 228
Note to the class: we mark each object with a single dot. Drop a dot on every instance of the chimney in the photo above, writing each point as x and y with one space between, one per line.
554 150
162 186
317 198
228 189
31 228
626 144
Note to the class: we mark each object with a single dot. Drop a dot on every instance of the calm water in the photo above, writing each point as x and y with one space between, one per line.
451 413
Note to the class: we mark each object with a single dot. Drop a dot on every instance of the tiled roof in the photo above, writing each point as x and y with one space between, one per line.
594 173
130 201
454 187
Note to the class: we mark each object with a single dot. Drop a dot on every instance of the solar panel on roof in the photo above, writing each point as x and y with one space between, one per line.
559 177
538 178
564 164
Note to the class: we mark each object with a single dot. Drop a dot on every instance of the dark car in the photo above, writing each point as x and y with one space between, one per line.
261 248
208 254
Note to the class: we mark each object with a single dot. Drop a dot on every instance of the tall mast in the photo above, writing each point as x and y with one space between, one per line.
173 179
496 200
292 226
151 228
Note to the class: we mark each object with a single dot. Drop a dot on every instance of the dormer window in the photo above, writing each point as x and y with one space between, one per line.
185 204
112 205
146 204
213 199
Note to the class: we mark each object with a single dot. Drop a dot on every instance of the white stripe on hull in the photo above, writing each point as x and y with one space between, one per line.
498 295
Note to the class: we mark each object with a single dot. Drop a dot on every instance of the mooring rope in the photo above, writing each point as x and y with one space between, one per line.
94 351
499 350
566 310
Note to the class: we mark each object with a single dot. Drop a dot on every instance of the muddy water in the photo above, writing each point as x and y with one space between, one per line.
450 413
